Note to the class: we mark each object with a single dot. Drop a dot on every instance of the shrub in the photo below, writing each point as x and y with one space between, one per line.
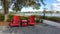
38 19
10 17
57 19
1 17
24 18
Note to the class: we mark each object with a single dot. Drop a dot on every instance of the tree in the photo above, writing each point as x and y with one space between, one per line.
19 4
6 8
44 11
57 11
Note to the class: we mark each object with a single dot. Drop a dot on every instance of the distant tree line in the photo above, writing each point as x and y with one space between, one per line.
52 11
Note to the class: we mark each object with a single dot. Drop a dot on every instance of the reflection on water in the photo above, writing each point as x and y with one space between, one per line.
56 15
47 14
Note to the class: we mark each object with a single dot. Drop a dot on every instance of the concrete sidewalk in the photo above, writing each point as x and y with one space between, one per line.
52 23
38 29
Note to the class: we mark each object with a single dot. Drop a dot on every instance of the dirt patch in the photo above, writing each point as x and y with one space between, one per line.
3 23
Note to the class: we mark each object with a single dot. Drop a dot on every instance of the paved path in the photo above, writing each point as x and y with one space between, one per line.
52 23
38 29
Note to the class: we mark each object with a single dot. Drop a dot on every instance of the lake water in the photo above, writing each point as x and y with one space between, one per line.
56 15
47 14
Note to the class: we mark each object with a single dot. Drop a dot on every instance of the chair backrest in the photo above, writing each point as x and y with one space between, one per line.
16 19
32 19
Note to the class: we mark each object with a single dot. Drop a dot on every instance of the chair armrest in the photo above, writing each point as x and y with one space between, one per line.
10 22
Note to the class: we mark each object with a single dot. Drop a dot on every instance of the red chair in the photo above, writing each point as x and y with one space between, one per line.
24 23
16 21
32 20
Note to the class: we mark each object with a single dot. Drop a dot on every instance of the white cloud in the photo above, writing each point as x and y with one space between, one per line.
56 6
30 9
0 7
58 0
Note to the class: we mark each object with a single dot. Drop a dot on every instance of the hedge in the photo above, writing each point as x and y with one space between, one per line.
1 17
10 17
52 18
38 18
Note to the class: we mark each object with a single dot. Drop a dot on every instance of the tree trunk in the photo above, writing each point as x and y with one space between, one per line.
5 17
6 10
44 16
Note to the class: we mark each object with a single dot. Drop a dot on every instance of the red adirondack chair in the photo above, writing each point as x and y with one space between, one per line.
16 21
32 20
24 23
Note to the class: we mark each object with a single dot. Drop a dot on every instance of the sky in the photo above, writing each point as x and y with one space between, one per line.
50 5
56 5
